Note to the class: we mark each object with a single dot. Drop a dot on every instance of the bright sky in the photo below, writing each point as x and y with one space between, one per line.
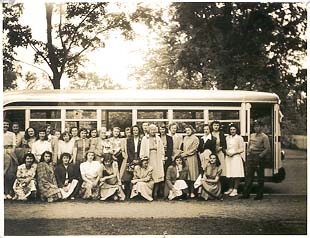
117 59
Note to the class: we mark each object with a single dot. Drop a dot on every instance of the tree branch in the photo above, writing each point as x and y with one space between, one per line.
33 66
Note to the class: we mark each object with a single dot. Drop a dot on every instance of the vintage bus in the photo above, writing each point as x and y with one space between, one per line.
123 108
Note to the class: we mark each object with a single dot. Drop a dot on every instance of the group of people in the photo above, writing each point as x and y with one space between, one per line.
151 163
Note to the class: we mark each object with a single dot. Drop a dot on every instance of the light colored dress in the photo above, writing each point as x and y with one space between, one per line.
39 147
190 146
177 142
145 183
22 188
211 190
91 171
220 154
111 186
65 147
153 148
47 183
234 164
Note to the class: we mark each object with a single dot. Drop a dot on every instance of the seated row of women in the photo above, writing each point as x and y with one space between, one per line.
101 180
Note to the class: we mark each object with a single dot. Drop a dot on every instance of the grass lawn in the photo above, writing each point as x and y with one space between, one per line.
149 226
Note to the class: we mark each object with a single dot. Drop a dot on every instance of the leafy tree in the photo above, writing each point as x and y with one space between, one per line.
14 36
249 46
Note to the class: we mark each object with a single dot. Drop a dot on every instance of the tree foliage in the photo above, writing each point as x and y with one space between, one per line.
14 36
250 46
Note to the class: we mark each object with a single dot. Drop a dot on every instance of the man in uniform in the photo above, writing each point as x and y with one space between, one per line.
258 149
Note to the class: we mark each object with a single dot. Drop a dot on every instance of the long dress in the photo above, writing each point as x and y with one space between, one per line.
175 178
91 171
112 185
82 146
177 143
47 183
153 148
190 146
145 183
234 164
25 182
211 190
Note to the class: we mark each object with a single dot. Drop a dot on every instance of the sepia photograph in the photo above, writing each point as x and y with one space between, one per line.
154 118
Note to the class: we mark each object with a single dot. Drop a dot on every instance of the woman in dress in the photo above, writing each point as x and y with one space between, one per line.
177 140
211 186
207 146
131 153
25 184
93 139
168 145
46 179
81 146
220 150
67 177
152 147
176 186
116 143
103 144
91 173
189 154
234 161
41 145
110 182
30 137
65 145
143 180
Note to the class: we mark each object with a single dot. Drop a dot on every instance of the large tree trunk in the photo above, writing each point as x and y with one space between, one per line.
54 62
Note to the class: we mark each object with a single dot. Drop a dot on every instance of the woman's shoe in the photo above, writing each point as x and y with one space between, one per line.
228 191
233 193
192 195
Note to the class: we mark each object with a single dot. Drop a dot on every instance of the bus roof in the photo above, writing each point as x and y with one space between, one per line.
174 95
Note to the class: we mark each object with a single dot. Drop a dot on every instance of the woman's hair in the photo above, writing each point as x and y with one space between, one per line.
118 128
63 155
91 130
163 125
26 136
73 128
107 157
26 155
172 124
64 134
183 162
90 151
43 154
42 129
190 127
215 122
207 125
217 161
83 129
235 126
131 129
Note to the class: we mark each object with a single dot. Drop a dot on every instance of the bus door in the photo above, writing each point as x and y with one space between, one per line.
265 113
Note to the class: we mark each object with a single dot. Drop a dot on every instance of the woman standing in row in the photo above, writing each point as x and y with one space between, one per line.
189 154
234 161
152 148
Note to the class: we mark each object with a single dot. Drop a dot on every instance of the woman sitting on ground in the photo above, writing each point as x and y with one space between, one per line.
25 185
67 177
110 183
90 172
47 183
175 185
143 180
211 186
